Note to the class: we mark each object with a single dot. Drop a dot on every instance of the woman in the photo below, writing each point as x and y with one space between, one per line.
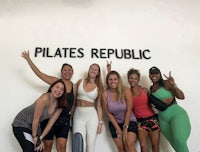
148 125
27 122
117 102
62 125
87 118
174 121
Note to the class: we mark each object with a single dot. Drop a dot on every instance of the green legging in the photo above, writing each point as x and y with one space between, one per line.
175 126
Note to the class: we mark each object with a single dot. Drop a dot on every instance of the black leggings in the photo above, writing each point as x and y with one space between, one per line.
26 145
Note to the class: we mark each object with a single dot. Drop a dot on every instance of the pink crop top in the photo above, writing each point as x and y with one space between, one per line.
87 96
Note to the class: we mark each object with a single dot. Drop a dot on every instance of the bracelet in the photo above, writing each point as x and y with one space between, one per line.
125 126
41 137
101 122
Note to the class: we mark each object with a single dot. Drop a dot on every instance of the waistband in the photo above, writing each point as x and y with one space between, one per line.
147 118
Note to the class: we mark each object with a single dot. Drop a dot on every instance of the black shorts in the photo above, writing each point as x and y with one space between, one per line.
60 131
131 128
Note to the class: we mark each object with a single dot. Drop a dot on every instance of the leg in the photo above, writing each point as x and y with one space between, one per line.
79 124
61 144
61 133
180 126
48 145
48 139
165 128
26 145
91 128
131 137
155 139
130 142
119 144
143 135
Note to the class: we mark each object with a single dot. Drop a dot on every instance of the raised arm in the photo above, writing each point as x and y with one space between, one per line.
109 66
170 83
46 78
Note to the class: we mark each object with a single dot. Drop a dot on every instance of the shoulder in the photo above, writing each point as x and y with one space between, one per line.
126 90
43 99
78 82
145 90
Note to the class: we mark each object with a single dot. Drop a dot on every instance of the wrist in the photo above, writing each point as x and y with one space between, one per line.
100 122
174 86
34 136
125 126
41 137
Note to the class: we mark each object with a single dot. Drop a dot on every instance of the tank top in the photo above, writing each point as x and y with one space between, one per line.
87 96
118 109
70 101
25 117
141 106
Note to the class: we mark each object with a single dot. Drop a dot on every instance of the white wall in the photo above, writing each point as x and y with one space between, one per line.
169 29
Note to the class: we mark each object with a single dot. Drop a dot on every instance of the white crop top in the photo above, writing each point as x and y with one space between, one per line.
87 96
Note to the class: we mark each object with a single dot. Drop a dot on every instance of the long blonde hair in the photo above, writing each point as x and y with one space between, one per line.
120 88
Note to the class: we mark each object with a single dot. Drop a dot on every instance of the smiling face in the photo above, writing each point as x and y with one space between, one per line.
133 80
67 72
57 90
113 81
93 71
155 77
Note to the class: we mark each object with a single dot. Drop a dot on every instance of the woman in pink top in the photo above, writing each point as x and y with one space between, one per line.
148 125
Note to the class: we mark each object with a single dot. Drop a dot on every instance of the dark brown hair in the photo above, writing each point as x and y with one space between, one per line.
62 99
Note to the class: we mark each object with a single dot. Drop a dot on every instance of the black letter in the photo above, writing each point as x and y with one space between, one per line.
94 52
145 55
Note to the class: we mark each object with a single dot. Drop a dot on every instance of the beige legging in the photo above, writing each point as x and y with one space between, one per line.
85 121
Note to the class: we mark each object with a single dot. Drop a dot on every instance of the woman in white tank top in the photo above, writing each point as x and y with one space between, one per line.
87 118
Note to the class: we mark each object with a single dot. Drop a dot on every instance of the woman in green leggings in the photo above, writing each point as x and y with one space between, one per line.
174 121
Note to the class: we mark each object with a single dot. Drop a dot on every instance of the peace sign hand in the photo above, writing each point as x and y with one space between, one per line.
108 66
170 79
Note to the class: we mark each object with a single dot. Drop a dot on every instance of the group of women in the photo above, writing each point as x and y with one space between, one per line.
128 109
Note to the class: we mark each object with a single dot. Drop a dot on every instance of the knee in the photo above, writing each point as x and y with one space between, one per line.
130 144
143 145
60 146
48 146
120 149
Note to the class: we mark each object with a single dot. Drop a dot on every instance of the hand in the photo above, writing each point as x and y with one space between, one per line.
35 140
40 147
170 79
25 55
108 66
125 130
100 128
119 134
